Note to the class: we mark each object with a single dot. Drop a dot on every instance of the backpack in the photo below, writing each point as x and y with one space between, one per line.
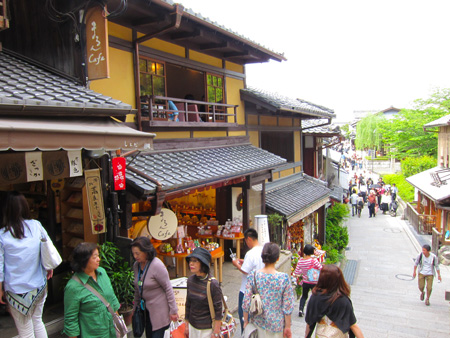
312 275
361 203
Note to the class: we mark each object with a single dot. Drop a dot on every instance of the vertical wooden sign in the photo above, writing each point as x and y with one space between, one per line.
95 200
97 43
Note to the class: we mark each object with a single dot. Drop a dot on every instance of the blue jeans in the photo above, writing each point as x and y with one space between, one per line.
240 311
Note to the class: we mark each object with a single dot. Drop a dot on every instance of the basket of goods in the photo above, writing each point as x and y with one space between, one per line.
166 247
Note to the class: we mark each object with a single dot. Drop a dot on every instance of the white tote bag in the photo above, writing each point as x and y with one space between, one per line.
50 257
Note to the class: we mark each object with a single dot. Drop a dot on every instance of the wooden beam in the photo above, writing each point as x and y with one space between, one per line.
211 46
186 35
235 54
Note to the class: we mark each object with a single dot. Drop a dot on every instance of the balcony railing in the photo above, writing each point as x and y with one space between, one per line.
155 109
422 223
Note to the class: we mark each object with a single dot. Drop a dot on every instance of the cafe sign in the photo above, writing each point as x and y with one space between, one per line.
163 225
97 43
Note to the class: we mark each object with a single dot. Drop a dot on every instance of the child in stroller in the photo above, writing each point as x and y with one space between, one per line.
393 208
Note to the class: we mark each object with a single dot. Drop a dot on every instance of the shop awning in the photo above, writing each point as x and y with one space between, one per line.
427 183
296 196
189 168
53 133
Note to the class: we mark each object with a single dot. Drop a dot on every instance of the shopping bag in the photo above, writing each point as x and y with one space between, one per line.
138 322
50 257
177 329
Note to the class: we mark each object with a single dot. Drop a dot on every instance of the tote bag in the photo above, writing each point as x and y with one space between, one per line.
50 257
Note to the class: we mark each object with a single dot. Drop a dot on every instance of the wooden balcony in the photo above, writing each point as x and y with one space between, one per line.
154 111
422 223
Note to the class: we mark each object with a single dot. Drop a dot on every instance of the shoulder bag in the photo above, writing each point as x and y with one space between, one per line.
50 257
256 307
119 323
228 326
139 318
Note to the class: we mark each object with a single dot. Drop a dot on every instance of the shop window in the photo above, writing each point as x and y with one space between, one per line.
281 144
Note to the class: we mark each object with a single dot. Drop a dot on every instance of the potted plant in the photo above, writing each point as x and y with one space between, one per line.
121 275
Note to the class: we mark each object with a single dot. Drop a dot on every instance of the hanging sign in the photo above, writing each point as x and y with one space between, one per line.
33 162
75 164
95 200
56 164
97 43
12 169
163 225
119 164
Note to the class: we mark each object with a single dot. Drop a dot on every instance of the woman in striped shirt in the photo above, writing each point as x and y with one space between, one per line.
309 268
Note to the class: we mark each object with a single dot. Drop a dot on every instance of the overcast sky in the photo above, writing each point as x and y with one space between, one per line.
346 55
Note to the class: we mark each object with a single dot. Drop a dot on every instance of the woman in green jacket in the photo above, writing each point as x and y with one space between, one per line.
84 313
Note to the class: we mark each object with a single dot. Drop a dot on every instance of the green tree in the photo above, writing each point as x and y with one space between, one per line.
404 133
346 130
368 134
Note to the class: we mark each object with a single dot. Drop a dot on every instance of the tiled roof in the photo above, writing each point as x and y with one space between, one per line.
314 127
24 84
426 184
280 102
441 122
192 167
294 193
337 193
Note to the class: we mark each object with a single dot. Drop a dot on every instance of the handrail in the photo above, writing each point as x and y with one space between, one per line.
150 101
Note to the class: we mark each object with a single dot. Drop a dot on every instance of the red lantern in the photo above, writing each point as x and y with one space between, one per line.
119 164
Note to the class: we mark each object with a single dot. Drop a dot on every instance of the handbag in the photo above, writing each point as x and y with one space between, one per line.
250 331
50 257
256 307
138 320
119 324
228 326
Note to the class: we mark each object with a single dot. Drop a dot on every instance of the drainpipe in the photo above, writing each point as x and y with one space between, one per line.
176 21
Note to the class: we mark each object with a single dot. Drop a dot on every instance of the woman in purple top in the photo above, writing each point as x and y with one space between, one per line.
151 274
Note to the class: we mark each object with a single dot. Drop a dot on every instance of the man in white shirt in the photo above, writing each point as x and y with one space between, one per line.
428 265
252 261
353 201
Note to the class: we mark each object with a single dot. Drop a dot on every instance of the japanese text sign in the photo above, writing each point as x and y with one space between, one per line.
119 164
95 200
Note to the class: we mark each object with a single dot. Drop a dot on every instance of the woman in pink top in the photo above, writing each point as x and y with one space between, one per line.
309 268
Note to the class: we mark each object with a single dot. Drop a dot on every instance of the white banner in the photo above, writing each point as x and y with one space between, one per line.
75 163
33 162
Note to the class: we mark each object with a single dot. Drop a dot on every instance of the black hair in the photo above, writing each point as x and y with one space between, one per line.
204 268
15 211
308 249
251 233
270 253
426 247
81 255
145 245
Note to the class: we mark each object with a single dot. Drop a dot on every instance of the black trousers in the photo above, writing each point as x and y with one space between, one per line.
305 291
149 333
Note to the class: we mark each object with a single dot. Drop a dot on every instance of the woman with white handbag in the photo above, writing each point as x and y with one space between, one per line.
22 273
277 297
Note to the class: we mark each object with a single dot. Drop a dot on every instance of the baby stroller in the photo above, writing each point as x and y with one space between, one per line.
393 208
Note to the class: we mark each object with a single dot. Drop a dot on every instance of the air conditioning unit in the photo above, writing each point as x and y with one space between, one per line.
4 21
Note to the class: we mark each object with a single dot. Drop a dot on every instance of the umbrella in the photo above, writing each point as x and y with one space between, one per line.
375 186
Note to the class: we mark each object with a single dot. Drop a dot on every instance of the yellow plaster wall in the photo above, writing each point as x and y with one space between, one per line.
164 46
120 84
175 134
297 148
236 133
118 31
285 122
254 138
287 172
234 67
200 57
297 122
252 120
268 121
234 97
200 134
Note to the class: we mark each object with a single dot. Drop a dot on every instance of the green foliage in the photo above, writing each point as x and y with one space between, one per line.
346 130
333 256
415 165
275 219
405 190
368 134
336 235
404 133
120 273
378 158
